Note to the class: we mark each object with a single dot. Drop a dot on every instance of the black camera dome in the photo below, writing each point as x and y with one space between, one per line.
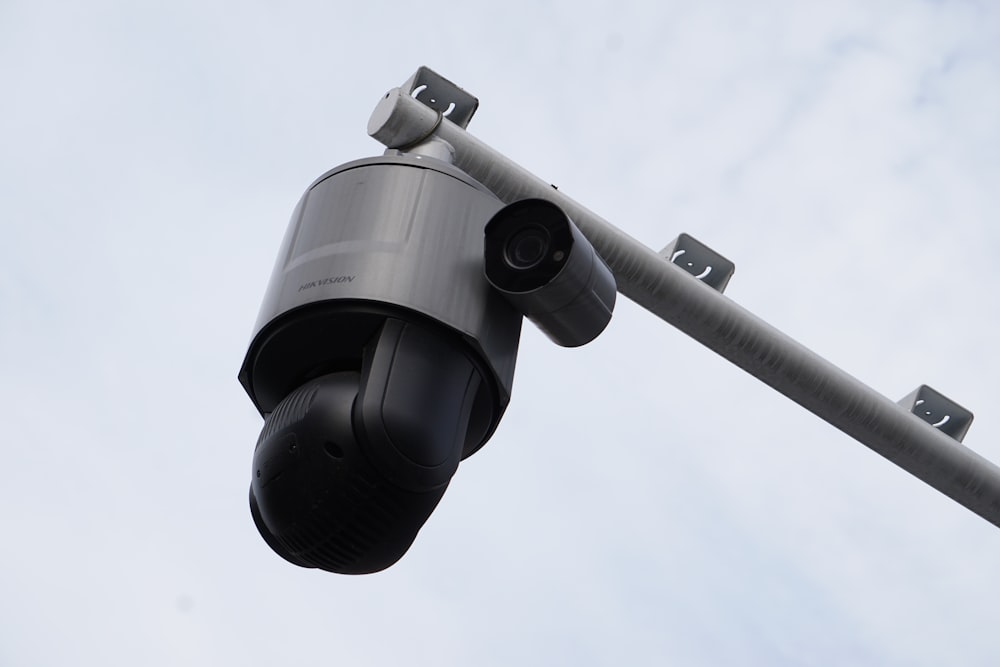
314 495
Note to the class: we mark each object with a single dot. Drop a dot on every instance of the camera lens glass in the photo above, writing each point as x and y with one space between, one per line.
527 247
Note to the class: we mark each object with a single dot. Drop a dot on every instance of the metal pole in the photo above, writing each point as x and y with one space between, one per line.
666 290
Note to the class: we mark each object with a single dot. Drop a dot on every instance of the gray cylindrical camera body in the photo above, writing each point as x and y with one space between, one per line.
388 237
537 258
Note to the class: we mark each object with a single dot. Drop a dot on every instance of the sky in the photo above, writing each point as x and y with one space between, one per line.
643 501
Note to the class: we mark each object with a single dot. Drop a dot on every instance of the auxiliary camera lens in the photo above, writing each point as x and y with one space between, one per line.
526 248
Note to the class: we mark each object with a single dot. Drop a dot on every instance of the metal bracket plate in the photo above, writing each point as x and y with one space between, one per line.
939 411
440 94
700 261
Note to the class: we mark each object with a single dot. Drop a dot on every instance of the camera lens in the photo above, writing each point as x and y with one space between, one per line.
527 247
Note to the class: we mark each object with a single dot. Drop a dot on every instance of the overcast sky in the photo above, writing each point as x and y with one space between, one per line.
643 501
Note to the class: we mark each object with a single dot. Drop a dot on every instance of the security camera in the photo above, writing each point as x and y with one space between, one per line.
537 258
381 358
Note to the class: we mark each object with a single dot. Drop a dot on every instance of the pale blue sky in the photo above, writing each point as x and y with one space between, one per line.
643 501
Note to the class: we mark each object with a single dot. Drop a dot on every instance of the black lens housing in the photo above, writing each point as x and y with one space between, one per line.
526 221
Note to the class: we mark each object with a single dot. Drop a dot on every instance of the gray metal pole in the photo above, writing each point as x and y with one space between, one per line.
666 290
